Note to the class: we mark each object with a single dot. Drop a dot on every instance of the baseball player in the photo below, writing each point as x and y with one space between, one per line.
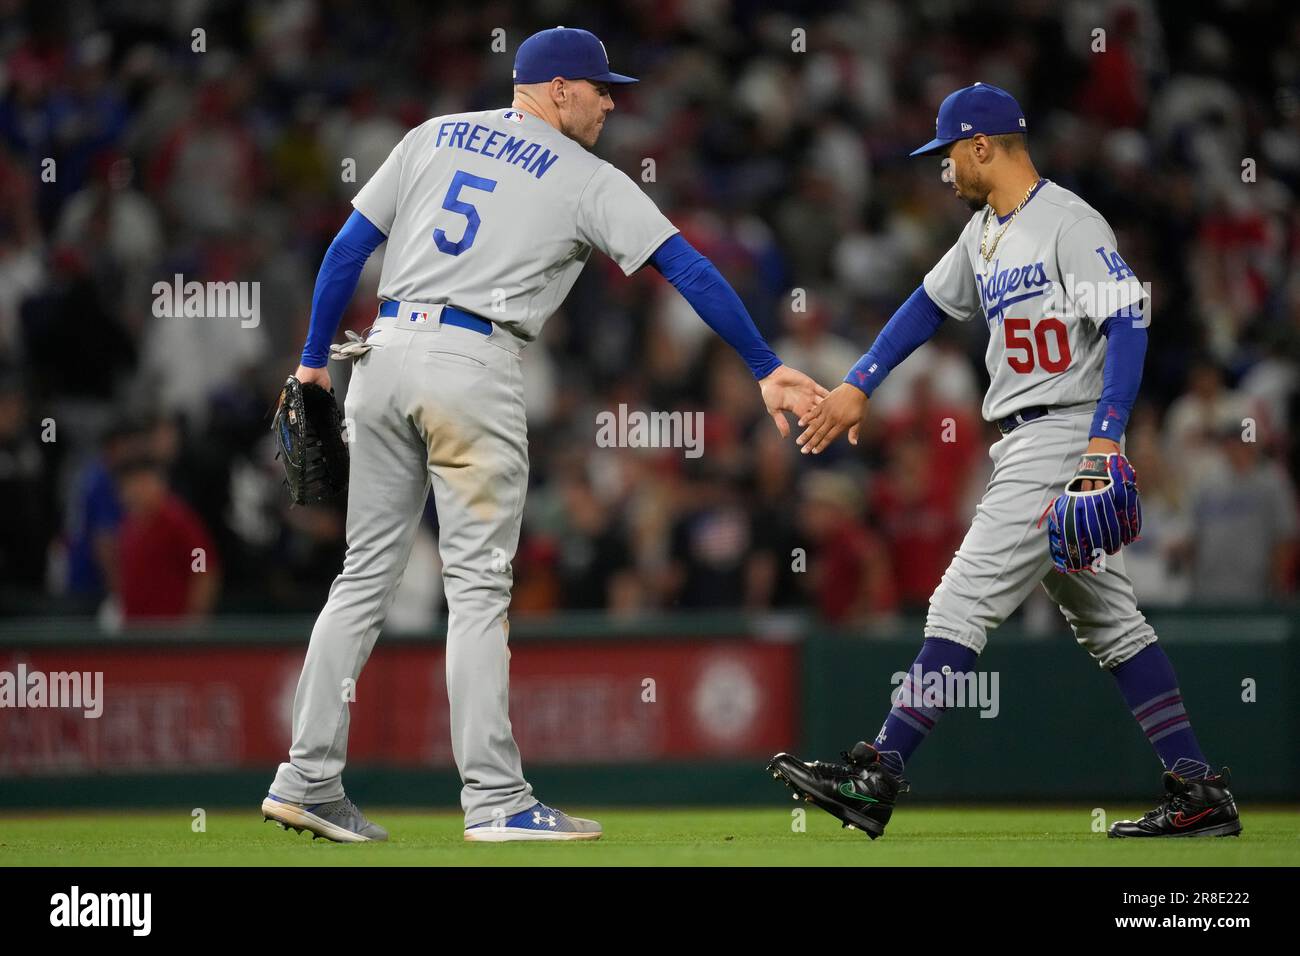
488 218
1040 267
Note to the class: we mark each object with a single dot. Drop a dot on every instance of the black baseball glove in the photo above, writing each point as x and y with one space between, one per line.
309 429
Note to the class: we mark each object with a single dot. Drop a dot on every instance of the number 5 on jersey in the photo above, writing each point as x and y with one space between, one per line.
1024 353
453 203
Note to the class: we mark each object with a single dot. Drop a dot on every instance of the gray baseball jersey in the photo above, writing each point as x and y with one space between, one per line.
501 211
1054 277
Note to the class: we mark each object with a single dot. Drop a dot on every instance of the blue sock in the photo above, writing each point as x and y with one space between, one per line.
1150 689
908 725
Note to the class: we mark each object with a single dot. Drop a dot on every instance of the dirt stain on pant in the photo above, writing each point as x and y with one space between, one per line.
469 472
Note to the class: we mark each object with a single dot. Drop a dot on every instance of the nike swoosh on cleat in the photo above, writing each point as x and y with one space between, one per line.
849 790
1180 821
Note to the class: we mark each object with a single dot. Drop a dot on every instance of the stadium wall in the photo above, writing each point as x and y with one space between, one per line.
670 710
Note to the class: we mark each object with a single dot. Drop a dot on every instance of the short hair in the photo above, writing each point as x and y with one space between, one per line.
1011 142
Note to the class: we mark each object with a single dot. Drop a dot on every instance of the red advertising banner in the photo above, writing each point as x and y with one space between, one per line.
219 707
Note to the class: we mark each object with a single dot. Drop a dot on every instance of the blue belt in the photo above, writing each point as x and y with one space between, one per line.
1009 424
450 316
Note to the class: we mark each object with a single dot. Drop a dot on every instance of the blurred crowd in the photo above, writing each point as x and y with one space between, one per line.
215 140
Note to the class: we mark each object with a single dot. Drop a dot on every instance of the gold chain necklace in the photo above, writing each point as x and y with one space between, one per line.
987 250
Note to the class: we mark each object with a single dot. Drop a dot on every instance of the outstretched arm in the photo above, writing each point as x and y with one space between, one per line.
912 325
713 298
710 295
340 271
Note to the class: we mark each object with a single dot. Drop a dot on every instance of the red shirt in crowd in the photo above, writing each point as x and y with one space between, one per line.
922 533
156 559
853 576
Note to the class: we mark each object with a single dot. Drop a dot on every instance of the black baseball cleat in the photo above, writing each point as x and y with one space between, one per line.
1190 808
860 792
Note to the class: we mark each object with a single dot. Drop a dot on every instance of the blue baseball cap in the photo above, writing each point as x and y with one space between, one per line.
563 51
974 109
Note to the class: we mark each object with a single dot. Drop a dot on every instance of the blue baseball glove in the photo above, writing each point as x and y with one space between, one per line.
1082 523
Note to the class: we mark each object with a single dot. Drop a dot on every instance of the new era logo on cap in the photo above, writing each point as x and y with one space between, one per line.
966 127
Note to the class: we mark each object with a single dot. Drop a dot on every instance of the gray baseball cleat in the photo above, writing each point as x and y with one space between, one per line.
539 822
339 820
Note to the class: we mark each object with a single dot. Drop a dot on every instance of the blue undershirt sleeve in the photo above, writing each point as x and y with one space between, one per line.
1126 349
911 326
716 302
340 271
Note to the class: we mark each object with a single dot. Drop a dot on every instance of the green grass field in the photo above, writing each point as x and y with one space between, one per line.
923 836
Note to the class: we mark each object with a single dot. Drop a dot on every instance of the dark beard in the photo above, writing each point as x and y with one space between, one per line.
975 204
